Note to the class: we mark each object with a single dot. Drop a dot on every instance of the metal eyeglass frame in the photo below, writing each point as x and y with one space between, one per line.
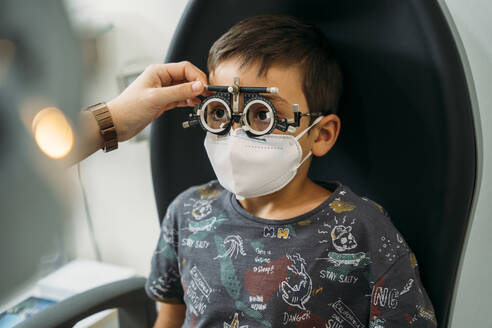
251 96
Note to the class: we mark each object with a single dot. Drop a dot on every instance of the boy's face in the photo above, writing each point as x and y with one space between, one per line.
286 78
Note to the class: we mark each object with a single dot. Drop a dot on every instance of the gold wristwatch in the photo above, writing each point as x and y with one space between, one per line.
106 126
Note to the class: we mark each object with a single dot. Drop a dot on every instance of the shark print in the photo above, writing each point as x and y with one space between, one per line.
297 291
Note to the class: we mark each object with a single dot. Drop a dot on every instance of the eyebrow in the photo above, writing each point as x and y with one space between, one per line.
275 98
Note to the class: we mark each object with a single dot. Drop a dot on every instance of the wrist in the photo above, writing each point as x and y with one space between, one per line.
115 109
106 126
89 131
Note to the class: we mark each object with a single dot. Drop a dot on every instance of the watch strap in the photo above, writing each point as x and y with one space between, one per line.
106 126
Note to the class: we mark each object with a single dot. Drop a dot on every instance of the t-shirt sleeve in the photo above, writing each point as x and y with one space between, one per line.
399 299
164 282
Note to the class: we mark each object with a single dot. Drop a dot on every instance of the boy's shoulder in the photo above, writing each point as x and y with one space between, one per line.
209 190
370 223
199 198
345 202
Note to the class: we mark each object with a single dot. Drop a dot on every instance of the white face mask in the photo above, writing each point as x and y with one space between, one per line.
253 167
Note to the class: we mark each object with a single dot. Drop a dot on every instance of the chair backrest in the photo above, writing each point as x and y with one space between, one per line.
407 140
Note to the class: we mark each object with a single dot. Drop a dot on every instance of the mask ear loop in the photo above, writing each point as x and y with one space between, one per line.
316 121
300 135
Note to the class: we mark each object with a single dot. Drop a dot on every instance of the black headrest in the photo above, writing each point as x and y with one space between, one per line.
407 138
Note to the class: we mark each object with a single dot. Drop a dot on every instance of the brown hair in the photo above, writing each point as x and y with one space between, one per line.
287 40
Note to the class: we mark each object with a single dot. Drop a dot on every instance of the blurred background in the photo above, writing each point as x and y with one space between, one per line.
117 40
122 38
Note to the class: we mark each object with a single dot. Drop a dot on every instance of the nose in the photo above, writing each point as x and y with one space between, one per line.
236 125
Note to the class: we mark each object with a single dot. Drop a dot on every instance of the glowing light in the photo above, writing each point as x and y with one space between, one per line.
52 132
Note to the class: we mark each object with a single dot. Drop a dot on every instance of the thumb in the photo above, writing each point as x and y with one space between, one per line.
179 92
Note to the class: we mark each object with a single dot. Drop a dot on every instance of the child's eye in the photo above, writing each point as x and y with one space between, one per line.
262 115
219 114
216 115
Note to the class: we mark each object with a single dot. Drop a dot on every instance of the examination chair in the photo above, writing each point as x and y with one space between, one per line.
407 139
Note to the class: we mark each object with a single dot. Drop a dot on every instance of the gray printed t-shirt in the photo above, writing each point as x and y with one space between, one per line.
342 264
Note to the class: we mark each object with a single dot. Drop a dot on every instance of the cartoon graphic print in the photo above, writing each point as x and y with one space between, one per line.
383 297
343 267
167 241
235 248
304 223
340 230
354 259
413 260
234 323
377 323
342 238
347 314
264 280
391 249
279 232
426 314
232 284
198 292
163 284
306 319
200 230
227 272
296 289
200 208
207 191
252 313
421 313
379 207
200 281
205 225
339 206
199 223
407 287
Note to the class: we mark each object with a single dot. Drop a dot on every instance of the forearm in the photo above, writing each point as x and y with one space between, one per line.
170 316
87 139
144 100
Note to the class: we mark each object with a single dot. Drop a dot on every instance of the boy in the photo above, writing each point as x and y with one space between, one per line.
268 247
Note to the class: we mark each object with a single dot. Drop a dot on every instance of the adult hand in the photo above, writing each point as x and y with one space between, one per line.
159 88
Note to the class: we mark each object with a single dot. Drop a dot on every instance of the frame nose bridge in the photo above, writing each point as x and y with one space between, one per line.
241 104
236 118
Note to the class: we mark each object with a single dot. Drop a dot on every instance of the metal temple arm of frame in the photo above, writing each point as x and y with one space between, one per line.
291 123
234 89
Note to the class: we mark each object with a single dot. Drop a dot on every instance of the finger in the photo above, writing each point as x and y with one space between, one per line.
177 82
183 104
193 102
207 93
166 95
182 71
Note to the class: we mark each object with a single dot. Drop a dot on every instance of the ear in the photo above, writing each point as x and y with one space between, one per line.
325 134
